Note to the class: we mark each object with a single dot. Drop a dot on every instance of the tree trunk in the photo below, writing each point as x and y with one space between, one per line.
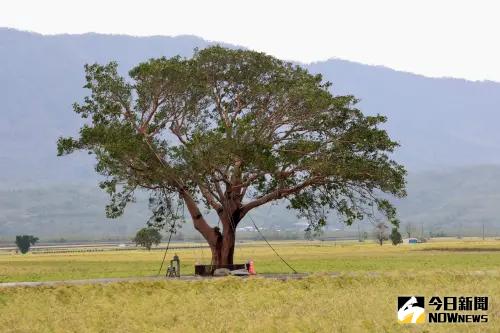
223 252
221 244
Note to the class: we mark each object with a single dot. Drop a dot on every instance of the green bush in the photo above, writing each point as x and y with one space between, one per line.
24 242
147 237
396 237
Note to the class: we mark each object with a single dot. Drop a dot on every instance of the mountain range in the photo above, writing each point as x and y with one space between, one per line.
447 128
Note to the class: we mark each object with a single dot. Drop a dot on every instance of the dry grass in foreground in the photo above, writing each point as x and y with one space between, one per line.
350 303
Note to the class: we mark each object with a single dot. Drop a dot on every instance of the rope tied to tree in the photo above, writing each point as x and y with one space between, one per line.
165 255
272 248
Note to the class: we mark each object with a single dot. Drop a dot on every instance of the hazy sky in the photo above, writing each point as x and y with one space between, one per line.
430 37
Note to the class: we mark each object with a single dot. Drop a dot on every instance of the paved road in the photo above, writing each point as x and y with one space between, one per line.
138 279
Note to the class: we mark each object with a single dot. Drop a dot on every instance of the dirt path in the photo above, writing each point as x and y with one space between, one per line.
138 279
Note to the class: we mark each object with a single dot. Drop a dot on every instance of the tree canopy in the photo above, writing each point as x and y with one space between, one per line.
146 237
24 242
396 237
234 129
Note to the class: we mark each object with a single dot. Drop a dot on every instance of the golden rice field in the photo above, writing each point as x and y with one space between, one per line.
361 297
303 256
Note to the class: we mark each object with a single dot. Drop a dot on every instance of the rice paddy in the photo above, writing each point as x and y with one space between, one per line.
360 297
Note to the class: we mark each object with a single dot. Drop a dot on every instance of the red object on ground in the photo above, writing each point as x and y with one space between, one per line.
251 267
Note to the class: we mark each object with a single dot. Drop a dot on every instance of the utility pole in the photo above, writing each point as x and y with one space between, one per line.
483 230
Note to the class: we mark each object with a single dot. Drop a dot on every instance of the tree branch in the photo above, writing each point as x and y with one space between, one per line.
212 201
278 194
199 221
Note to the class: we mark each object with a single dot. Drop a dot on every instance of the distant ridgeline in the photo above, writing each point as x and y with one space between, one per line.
451 203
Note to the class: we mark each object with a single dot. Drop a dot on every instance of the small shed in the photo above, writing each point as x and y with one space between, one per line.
412 241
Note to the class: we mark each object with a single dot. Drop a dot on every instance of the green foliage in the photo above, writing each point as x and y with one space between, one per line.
24 242
396 237
146 237
235 128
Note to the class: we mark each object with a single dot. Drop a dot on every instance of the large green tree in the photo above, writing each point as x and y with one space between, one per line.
233 130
